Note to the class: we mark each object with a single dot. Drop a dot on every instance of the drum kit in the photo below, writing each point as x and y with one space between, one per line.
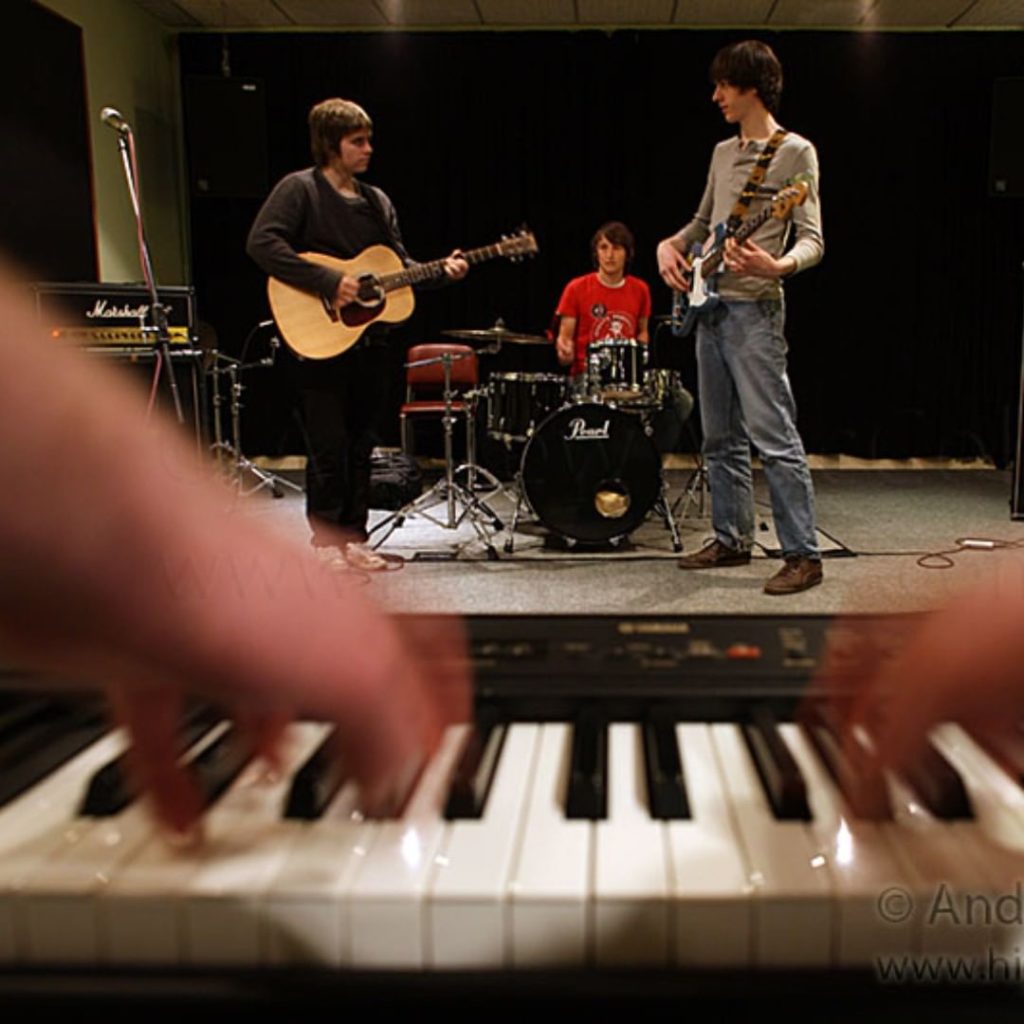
589 469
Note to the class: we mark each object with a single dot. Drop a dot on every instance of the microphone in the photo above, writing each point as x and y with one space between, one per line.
113 119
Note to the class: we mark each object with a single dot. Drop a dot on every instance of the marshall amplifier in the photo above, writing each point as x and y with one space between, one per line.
114 322
94 314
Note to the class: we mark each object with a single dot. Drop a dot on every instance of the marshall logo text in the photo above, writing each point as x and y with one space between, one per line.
101 310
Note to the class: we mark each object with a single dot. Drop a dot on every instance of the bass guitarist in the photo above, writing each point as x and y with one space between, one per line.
326 209
745 395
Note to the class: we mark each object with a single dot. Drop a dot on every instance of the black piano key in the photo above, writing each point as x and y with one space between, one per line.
219 763
666 787
866 794
474 773
112 787
779 773
45 746
17 714
316 783
587 795
937 784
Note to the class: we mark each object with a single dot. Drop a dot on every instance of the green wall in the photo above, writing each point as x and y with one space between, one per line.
131 64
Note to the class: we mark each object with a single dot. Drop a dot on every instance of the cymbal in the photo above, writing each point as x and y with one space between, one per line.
500 334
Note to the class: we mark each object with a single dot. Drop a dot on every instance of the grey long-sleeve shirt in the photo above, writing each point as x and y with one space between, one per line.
731 165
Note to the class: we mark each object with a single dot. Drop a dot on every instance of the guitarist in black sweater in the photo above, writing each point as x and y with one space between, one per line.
326 209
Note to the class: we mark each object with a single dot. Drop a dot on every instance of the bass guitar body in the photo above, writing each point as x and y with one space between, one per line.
702 298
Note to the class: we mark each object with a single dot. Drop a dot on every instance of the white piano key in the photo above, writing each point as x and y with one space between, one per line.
158 901
997 799
550 884
862 864
468 902
247 841
631 872
386 913
58 897
793 889
37 823
305 906
995 836
941 863
712 892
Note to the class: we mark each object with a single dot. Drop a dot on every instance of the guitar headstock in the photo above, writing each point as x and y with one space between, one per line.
519 245
783 201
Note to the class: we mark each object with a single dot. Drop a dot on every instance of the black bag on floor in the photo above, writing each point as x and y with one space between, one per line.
395 479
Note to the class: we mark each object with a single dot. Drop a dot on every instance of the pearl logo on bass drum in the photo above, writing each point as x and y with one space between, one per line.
579 431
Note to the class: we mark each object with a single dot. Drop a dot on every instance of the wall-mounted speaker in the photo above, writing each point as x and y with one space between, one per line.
1006 151
226 136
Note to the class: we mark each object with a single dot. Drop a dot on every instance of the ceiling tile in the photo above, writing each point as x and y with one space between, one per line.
333 13
823 13
992 13
722 12
923 14
625 12
527 12
236 13
430 12
168 13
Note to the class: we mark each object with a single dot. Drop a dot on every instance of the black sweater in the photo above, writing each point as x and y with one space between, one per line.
305 213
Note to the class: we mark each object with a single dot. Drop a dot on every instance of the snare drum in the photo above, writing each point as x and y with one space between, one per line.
518 402
615 368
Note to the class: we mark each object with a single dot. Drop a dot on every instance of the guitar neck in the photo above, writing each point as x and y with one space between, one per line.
743 232
434 270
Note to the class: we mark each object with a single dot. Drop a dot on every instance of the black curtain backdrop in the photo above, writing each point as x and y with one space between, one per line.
904 341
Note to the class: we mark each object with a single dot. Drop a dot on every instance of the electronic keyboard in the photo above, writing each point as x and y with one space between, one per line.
637 797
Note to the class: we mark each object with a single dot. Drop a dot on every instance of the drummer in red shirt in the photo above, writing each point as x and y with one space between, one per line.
607 304
612 307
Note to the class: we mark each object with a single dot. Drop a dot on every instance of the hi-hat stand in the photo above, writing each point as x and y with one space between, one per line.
460 500
697 489
696 492
238 464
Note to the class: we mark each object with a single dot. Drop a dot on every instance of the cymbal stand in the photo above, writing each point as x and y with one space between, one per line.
239 465
460 501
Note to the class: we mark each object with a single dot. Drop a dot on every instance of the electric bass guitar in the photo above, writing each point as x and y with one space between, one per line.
313 327
704 266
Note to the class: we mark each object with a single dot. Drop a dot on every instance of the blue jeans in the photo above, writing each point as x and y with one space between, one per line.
746 400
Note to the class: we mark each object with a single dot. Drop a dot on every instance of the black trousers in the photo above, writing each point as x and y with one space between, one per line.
341 402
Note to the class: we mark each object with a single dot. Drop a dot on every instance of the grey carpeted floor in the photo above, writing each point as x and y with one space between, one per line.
874 527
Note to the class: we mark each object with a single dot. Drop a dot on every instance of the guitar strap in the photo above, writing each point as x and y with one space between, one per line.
753 185
372 198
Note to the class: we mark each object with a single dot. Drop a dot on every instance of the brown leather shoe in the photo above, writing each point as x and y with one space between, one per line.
714 555
798 573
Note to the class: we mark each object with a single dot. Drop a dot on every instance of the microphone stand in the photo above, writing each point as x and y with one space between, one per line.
158 311
240 465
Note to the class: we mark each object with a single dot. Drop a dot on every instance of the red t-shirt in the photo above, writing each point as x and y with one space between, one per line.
601 312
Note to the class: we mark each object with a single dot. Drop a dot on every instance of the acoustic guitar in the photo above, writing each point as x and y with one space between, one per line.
315 328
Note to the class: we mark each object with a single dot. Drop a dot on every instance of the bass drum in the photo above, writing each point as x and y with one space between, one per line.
591 473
